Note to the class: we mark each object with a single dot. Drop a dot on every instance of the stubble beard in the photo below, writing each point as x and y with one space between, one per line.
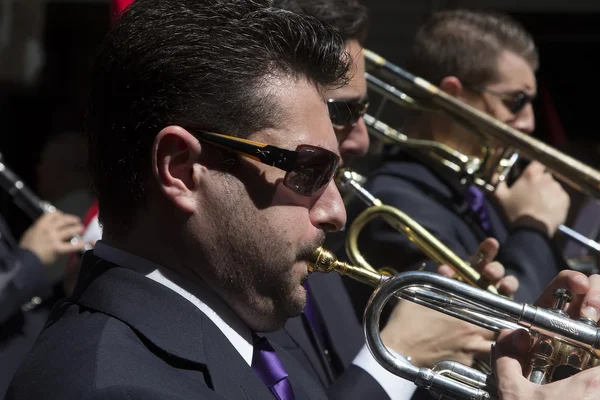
256 273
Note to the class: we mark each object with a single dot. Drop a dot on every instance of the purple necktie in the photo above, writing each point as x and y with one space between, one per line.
270 370
476 201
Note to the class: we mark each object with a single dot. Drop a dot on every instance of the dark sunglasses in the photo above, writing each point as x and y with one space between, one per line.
515 102
308 168
346 113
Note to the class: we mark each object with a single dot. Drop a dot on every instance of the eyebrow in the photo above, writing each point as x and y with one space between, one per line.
358 98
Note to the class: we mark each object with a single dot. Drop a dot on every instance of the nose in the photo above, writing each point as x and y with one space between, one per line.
525 120
328 212
354 141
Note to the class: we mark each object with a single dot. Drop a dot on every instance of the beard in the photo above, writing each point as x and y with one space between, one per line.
255 267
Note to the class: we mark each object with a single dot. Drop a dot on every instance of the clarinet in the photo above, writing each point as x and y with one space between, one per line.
25 199
34 207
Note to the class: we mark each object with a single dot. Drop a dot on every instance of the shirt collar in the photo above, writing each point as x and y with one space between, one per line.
200 296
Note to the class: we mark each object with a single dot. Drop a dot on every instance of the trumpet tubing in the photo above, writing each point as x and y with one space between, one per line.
423 239
561 346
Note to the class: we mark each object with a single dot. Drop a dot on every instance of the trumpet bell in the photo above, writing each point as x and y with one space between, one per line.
561 346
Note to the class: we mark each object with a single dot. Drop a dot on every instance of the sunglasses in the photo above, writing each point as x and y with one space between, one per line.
346 113
515 102
308 169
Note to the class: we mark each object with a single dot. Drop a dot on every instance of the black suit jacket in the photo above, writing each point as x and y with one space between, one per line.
332 363
21 277
124 336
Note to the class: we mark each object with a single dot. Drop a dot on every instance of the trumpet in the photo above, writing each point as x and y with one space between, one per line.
415 93
560 346
424 240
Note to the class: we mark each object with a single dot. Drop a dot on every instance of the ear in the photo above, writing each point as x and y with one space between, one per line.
452 86
176 167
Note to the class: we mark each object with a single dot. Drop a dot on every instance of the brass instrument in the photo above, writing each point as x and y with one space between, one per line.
561 346
425 241
413 92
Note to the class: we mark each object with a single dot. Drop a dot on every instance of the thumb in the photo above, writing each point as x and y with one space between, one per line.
446 271
502 190
509 374
508 354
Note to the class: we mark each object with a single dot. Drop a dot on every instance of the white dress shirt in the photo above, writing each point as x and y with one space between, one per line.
230 324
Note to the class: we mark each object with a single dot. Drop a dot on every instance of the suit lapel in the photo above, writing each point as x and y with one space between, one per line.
230 375
335 308
169 322
301 333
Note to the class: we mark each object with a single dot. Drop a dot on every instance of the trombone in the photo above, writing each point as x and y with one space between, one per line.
561 346
413 92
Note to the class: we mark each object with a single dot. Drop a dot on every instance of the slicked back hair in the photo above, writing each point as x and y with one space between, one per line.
199 64
467 44
349 17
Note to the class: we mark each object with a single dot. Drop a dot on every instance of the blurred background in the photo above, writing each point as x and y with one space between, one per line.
47 47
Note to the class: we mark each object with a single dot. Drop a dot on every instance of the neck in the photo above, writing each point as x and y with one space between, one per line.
155 240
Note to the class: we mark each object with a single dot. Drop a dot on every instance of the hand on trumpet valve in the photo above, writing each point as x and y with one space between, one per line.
509 353
51 236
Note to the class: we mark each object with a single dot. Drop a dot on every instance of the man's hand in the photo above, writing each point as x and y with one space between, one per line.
50 236
511 347
491 270
535 199
428 336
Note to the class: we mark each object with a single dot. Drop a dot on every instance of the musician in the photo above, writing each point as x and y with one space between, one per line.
328 339
348 372
488 61
26 284
202 246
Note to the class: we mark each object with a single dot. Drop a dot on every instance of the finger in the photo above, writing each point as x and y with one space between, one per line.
508 286
502 190
69 232
534 168
482 349
70 247
508 354
575 282
66 221
446 271
486 252
587 305
48 217
493 272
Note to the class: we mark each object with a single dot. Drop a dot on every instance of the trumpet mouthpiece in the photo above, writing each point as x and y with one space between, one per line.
322 261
